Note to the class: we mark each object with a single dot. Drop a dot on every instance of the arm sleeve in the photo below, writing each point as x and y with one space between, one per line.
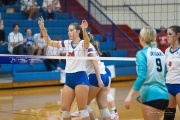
141 70
90 49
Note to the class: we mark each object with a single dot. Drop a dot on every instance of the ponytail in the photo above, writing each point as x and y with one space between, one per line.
92 41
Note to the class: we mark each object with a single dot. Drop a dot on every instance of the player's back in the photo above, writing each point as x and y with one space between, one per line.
154 85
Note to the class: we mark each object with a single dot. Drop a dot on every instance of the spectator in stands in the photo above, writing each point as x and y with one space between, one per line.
15 39
2 35
52 51
162 39
30 8
9 2
39 46
50 7
28 41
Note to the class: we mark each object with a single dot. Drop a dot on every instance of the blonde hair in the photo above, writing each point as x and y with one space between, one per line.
149 35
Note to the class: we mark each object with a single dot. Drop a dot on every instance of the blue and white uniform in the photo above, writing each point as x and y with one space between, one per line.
151 68
75 69
173 71
91 72
108 71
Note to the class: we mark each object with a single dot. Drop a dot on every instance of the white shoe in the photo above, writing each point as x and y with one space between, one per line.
75 114
114 116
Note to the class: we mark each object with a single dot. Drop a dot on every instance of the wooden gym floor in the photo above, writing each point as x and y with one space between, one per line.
43 103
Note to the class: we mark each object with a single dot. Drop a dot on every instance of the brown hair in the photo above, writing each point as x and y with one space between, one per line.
93 42
175 29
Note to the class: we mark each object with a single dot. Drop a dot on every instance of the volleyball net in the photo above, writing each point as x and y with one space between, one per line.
114 24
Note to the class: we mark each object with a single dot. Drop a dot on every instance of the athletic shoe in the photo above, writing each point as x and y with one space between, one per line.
75 114
114 115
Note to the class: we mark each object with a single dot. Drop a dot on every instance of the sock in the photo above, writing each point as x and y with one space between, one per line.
114 109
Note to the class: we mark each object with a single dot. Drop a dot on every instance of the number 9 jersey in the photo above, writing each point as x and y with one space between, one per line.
151 69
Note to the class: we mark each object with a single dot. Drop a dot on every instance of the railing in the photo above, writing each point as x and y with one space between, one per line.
114 26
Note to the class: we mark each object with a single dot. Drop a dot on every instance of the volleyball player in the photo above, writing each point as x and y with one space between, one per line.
99 82
173 71
110 99
151 77
77 83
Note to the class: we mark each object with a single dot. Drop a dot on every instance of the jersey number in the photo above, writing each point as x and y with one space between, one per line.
158 63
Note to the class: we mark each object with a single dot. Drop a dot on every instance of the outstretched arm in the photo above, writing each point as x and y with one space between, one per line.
46 37
84 26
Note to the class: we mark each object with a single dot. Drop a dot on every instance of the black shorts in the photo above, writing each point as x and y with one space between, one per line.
160 104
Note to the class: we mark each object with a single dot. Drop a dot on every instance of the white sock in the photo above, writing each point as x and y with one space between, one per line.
114 108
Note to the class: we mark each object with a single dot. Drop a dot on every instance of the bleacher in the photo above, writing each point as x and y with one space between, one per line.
37 72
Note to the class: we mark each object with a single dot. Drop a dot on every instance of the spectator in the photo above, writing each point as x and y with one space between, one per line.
15 39
50 7
30 8
39 44
162 39
2 35
28 41
52 51
9 2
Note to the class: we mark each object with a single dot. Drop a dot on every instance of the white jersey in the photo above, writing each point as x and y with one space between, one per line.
173 67
89 65
73 66
54 51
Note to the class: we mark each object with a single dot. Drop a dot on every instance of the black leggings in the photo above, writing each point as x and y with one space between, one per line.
48 63
160 104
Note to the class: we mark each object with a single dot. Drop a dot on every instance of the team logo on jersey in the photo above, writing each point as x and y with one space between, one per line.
170 64
71 53
90 49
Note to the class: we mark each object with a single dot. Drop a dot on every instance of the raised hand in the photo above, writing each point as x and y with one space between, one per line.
84 24
41 22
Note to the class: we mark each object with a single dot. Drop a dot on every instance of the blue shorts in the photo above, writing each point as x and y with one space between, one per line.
78 78
173 89
108 71
94 82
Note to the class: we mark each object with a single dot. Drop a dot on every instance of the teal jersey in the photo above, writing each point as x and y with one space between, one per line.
151 70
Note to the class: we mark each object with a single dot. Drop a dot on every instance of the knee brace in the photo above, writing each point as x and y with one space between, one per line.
65 114
169 114
89 109
105 113
83 113
110 98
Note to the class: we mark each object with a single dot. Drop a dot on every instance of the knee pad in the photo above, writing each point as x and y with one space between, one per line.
110 98
89 109
83 113
65 114
169 114
105 113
